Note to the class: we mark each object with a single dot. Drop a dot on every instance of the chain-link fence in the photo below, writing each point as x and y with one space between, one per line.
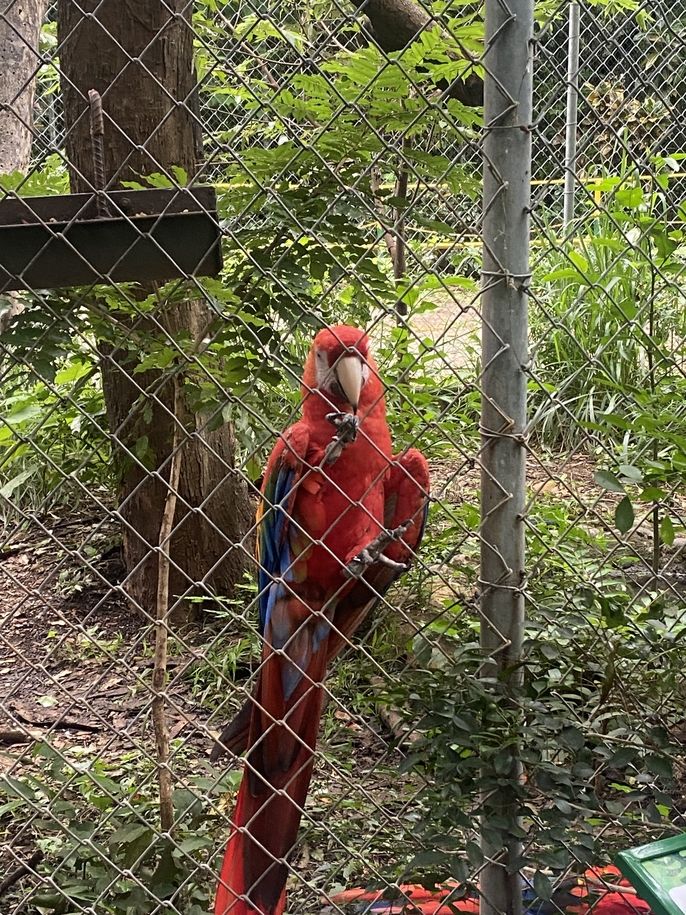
475 718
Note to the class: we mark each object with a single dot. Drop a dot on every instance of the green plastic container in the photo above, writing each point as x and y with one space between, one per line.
658 874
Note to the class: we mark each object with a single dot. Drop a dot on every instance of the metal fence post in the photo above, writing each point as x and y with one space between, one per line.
507 174
571 122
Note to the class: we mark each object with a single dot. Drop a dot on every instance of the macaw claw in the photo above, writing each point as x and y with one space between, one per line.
373 553
347 426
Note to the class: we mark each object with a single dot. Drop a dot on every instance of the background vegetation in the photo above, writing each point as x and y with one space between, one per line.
348 191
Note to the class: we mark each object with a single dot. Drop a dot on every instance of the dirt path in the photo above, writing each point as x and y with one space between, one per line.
452 328
75 660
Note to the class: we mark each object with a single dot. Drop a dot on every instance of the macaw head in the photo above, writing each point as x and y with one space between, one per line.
342 365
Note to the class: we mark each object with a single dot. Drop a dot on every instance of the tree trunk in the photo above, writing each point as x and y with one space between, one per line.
20 24
138 54
396 23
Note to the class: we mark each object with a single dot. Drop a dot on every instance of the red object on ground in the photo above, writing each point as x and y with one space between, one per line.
600 890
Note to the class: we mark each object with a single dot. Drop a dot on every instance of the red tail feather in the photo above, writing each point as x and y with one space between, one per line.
232 881
266 821
254 865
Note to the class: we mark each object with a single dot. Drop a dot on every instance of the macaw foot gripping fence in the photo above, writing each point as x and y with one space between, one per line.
342 451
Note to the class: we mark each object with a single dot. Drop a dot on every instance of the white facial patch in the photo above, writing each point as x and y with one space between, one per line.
325 375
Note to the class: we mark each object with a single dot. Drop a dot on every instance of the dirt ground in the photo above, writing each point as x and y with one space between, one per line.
453 327
63 674
75 660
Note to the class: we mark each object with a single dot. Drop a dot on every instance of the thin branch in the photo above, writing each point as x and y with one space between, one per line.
375 184
395 237
159 674
19 872
400 259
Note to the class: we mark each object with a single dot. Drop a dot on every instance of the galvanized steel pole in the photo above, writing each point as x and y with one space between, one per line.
571 124
508 63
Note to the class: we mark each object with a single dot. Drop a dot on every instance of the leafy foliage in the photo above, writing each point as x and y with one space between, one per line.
98 834
584 714
53 443
609 320
300 205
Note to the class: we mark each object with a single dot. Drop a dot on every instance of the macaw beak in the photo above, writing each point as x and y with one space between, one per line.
348 372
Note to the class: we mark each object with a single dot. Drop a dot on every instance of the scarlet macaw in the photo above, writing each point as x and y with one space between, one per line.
339 519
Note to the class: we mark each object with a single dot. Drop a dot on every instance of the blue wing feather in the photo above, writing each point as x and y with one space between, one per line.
276 555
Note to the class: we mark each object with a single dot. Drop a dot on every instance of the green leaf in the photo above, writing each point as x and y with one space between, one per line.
503 763
563 806
165 877
141 447
608 481
13 786
624 515
622 757
652 494
73 371
128 833
629 197
563 273
631 473
50 901
23 414
667 530
9 487
614 419
427 858
11 806
193 843
474 854
542 886
659 765
573 738
186 803
579 261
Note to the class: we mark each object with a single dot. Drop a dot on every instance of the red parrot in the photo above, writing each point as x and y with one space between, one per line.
339 519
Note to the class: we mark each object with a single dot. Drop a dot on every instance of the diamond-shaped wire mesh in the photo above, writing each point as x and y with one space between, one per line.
489 713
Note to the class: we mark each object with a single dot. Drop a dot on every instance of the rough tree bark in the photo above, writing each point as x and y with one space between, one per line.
138 55
395 24
20 23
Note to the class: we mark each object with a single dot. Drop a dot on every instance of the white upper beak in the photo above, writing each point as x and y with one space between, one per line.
349 374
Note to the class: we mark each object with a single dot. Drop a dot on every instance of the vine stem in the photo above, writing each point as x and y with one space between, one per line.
97 128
